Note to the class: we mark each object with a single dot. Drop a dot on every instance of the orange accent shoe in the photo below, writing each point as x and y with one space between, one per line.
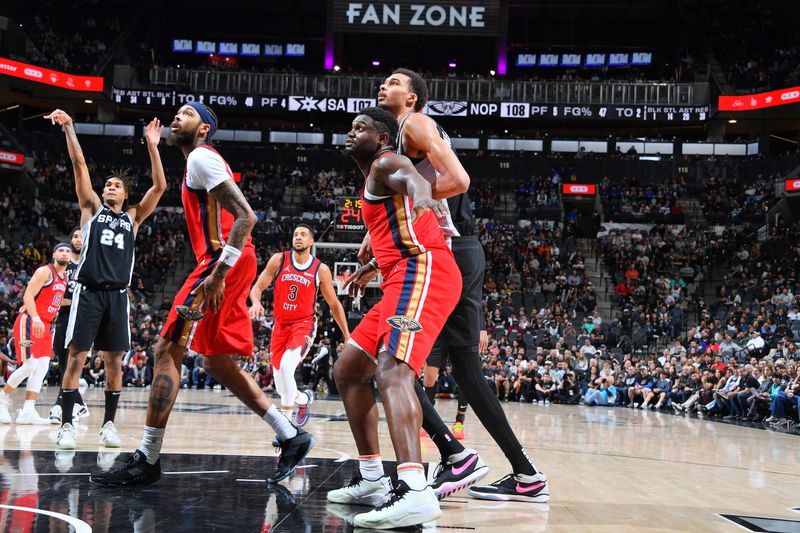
458 430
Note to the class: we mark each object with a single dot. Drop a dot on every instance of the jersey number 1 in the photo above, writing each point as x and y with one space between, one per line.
108 238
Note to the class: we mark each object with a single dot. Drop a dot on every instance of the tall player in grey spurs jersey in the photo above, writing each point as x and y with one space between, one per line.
100 307
405 93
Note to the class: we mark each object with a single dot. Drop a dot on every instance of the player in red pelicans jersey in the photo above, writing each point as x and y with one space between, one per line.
32 337
421 287
298 276
209 314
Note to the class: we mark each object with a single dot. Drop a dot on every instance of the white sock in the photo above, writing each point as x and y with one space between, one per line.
29 405
280 423
370 467
152 440
413 474
4 396
287 411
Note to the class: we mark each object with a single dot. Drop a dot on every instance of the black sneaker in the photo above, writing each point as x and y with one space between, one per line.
293 451
512 488
451 477
135 471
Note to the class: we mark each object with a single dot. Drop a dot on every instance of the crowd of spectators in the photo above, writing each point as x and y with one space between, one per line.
628 200
72 36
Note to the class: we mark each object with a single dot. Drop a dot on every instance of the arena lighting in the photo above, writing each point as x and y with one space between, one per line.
451 64
376 63
732 121
337 68
87 101
492 73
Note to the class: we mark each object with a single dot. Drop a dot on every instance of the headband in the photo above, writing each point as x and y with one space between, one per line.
62 245
205 116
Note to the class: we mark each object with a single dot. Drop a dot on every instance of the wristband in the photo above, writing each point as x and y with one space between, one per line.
373 263
229 255
37 319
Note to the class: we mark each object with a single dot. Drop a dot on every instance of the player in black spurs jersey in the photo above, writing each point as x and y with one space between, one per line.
59 350
100 306
421 139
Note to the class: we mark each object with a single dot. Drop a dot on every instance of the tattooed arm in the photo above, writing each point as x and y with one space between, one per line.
231 199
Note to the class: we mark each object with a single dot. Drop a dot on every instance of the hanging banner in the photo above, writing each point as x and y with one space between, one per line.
72 82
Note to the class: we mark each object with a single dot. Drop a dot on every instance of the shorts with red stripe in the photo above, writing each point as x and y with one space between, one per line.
287 336
226 332
418 295
27 345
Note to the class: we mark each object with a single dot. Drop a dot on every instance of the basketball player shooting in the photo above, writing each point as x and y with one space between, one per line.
298 277
103 275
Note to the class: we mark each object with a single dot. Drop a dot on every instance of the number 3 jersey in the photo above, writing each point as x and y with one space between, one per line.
296 289
107 255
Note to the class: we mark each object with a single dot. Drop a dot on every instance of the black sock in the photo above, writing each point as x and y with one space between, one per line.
462 407
469 376
67 403
112 400
430 392
432 423
60 399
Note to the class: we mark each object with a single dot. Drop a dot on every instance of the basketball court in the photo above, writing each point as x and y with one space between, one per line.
609 470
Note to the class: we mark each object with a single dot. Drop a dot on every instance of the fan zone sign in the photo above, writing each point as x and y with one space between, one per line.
466 17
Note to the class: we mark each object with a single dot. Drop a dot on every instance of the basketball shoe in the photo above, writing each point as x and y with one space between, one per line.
514 487
293 451
458 430
135 471
452 475
362 491
405 508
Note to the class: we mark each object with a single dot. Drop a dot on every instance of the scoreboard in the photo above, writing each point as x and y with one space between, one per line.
348 215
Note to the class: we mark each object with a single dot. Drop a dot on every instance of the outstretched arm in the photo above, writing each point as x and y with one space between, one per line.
87 199
264 280
421 134
145 207
328 292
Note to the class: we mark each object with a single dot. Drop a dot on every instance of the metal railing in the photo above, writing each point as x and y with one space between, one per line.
458 89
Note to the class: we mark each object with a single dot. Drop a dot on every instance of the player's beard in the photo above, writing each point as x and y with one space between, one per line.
75 250
301 249
62 262
182 138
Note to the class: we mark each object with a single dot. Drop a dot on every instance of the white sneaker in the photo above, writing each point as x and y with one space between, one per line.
5 416
362 491
105 460
109 437
79 411
66 437
405 508
64 460
31 417
55 414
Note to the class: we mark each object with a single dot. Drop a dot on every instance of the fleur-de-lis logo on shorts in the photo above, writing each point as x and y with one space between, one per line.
404 323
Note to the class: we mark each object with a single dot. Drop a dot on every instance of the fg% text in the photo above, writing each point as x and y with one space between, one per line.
577 112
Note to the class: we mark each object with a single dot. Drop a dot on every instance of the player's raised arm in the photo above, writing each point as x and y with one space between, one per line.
420 134
40 278
329 293
88 200
398 174
145 207
263 281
